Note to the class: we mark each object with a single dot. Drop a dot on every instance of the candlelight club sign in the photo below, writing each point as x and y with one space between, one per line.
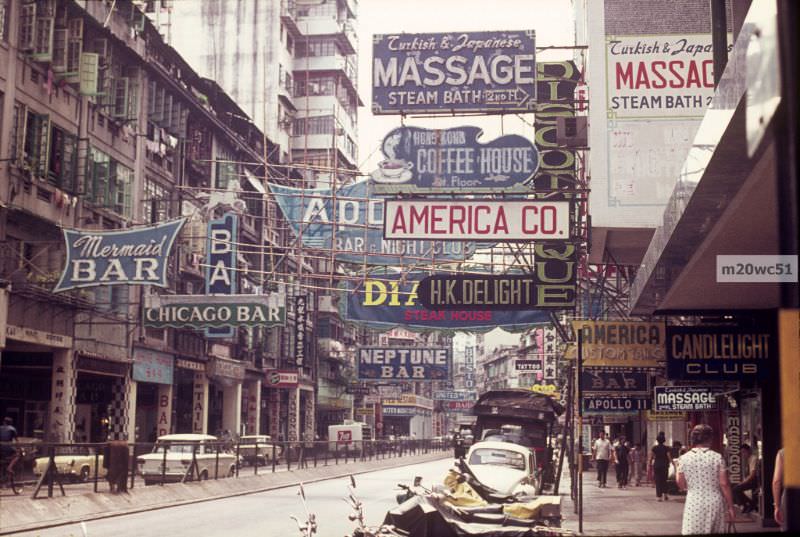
205 311
719 353
552 286
428 160
470 71
386 299
621 343
401 363
131 257
483 220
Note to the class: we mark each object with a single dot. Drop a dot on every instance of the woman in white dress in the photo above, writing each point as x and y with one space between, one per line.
702 473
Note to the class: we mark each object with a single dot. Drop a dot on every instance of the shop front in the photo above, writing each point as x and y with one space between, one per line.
153 373
225 378
101 399
189 396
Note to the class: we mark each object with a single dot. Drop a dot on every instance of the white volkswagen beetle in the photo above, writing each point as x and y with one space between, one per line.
506 467
212 460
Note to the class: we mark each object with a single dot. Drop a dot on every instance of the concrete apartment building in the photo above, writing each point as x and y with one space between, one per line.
105 127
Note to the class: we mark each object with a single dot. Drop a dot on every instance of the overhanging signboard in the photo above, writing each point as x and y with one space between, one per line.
152 366
389 299
460 406
598 379
300 322
221 271
399 410
527 365
205 311
461 71
431 160
686 398
622 343
275 378
349 222
130 257
453 395
476 220
551 287
720 353
403 363
600 403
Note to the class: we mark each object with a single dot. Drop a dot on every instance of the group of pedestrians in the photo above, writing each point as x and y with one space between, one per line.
626 458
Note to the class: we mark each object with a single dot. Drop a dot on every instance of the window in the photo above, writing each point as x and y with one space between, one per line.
63 159
317 47
156 202
4 20
227 169
314 86
323 9
108 183
313 125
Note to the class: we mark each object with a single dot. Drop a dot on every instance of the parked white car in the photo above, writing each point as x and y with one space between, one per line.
76 466
506 467
258 447
212 459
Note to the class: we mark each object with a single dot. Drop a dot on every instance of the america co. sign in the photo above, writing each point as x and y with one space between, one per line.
432 160
130 257
468 71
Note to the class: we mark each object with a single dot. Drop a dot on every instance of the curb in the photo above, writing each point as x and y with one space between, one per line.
111 514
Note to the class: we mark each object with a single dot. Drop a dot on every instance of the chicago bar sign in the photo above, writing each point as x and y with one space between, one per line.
466 71
403 363
483 220
205 311
719 353
433 160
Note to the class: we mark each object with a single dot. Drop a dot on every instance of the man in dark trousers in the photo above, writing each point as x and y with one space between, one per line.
621 458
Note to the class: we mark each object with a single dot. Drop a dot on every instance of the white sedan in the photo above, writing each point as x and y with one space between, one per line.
211 457
506 467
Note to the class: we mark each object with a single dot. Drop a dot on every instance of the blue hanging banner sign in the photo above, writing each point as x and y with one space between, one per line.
453 160
221 270
387 299
404 363
350 223
130 257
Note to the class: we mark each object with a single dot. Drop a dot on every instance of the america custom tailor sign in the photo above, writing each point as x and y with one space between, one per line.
385 299
403 363
720 353
552 286
349 223
458 71
130 257
621 343
205 311
685 398
476 220
453 160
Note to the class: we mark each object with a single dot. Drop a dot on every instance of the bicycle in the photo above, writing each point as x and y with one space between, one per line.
7 472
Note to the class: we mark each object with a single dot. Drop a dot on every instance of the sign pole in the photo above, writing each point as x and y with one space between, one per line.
579 398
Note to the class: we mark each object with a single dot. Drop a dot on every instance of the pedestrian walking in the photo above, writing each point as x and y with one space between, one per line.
751 481
659 464
601 454
622 461
636 464
778 492
702 473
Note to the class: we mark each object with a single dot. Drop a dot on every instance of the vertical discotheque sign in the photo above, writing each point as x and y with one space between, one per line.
221 261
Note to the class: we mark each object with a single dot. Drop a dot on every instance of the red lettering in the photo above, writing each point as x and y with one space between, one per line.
418 218
708 73
486 210
501 224
163 401
661 82
436 218
693 78
548 220
624 77
529 230
641 76
399 221
457 220
678 81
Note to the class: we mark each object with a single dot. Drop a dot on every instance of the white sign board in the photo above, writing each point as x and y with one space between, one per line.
512 220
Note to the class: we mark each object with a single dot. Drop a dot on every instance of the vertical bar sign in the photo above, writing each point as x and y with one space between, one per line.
300 321
221 261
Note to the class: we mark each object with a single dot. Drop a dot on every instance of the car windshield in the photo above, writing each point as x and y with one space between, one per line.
498 457
182 447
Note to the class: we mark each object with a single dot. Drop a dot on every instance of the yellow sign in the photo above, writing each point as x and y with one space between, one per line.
789 334
546 389
621 343
366 411
653 415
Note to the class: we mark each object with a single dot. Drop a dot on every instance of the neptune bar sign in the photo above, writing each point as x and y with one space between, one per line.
403 363
131 257
432 160
465 71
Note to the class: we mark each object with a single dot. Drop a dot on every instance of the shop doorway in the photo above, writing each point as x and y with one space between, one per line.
92 399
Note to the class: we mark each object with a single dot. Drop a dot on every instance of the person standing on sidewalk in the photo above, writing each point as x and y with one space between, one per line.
601 454
660 462
622 461
636 464
702 473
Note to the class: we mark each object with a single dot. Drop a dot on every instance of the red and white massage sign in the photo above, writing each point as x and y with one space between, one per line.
469 220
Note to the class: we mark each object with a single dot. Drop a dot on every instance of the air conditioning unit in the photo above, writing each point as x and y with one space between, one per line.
572 132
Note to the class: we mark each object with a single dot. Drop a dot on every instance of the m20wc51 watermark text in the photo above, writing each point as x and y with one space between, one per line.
756 268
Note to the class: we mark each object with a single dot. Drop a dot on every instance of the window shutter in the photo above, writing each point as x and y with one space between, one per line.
76 28
59 51
88 73
132 100
167 113
175 121
100 182
70 162
74 51
27 27
42 145
43 39
119 108
152 89
20 126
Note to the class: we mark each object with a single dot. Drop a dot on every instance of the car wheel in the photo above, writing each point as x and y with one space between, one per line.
84 475
203 475
232 471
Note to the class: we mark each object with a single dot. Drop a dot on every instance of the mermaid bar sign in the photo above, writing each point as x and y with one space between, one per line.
130 257
432 160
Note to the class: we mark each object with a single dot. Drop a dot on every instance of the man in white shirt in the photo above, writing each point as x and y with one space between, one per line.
601 454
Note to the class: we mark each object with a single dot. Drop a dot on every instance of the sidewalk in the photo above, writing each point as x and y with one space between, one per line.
631 511
22 513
